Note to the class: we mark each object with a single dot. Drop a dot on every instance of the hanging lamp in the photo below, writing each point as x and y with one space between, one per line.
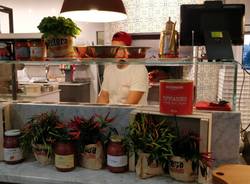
94 10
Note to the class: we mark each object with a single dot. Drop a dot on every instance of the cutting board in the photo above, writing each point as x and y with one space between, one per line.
232 174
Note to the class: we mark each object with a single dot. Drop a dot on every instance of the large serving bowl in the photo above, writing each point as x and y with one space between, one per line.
102 51
106 51
136 52
80 51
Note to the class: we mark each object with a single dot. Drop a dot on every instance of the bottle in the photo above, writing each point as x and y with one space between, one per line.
169 40
12 151
117 159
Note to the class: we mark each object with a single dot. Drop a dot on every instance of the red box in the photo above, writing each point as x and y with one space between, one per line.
176 97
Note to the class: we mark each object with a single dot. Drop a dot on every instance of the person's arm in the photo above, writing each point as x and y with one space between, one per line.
103 97
134 97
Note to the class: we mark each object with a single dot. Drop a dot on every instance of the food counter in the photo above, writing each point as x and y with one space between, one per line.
50 96
32 172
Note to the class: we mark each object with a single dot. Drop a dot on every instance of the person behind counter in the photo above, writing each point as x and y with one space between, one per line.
123 83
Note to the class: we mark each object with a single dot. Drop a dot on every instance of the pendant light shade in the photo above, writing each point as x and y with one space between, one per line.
94 10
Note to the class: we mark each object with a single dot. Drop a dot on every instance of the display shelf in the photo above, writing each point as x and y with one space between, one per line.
102 61
204 74
20 36
218 130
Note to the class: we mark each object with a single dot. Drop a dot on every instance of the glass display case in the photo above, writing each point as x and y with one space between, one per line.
213 81
43 84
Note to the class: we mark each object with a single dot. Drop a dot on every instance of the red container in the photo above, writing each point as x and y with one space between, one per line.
176 97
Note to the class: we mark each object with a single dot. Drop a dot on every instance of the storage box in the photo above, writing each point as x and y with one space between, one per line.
32 89
176 97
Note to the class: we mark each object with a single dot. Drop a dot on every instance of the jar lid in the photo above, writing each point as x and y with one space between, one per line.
13 132
116 138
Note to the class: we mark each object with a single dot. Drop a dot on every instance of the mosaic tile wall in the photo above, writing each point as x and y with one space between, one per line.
147 16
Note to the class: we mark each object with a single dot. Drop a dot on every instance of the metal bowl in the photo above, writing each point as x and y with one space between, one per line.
102 51
136 51
80 51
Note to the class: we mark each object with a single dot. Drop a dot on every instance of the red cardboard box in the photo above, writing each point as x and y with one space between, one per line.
176 97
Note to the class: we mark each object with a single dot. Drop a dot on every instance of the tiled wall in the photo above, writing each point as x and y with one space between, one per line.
147 16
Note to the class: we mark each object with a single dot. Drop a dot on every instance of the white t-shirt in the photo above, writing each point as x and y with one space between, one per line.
118 82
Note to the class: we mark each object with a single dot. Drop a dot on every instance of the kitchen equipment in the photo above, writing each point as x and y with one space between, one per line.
102 51
46 88
231 174
169 41
80 51
32 89
111 51
136 52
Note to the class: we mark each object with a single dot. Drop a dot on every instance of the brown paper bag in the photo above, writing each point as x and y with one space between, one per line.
60 47
92 157
146 169
181 170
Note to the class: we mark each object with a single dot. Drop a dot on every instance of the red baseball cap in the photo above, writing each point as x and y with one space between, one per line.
122 36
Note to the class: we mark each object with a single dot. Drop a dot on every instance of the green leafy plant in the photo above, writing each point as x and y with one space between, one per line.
93 129
58 26
187 146
150 136
39 130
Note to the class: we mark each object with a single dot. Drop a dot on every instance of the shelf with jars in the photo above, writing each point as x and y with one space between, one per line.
214 129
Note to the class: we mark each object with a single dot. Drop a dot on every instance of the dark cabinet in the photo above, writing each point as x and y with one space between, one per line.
75 92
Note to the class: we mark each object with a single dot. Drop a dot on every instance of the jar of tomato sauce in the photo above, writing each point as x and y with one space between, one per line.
64 156
12 151
117 159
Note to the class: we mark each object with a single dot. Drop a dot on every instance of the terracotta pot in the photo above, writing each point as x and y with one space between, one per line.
64 156
181 170
60 47
41 154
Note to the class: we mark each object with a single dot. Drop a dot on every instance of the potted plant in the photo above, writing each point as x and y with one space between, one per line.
151 139
58 33
94 135
187 159
37 136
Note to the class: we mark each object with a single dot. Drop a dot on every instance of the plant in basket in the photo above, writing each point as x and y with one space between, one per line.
187 159
151 139
58 33
94 135
37 136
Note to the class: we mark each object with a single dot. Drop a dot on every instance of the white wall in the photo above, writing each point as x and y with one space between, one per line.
27 15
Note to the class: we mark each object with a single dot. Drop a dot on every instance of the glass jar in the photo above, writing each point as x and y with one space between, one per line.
64 156
37 50
117 159
12 151
22 50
